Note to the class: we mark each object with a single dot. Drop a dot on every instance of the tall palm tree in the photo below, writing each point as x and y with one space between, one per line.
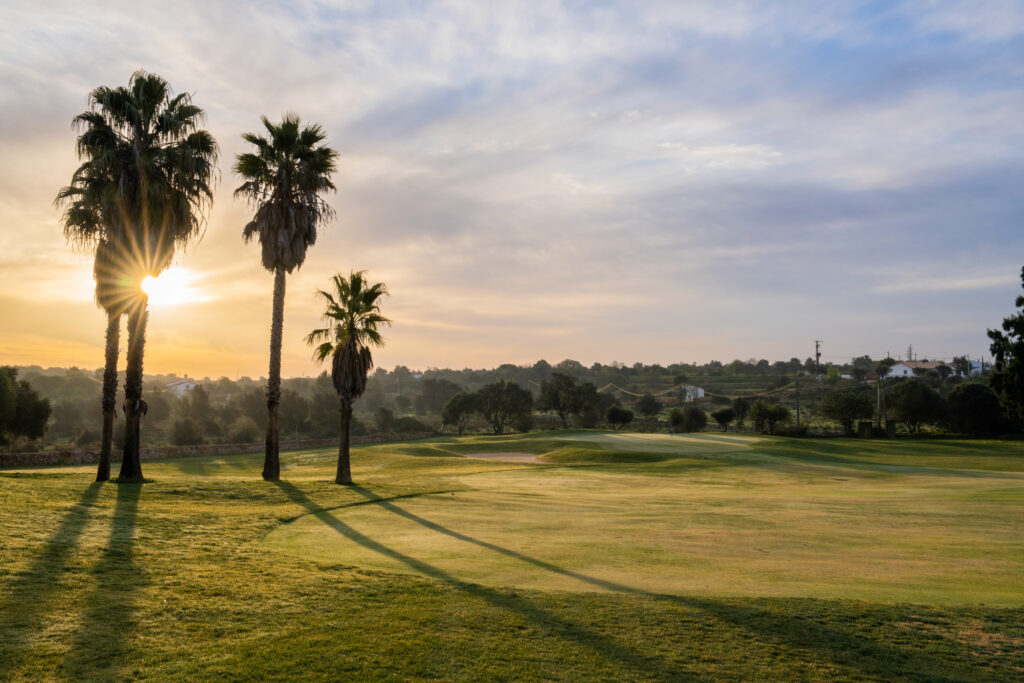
142 189
114 296
84 225
352 319
284 180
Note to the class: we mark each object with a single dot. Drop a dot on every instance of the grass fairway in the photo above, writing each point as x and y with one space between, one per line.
616 557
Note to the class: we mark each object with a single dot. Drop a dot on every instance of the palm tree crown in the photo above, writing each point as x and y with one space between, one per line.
147 173
353 320
284 179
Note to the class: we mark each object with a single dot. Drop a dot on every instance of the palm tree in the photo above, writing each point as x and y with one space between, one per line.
352 318
84 225
284 180
142 190
114 296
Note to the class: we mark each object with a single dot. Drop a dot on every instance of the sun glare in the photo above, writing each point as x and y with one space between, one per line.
173 287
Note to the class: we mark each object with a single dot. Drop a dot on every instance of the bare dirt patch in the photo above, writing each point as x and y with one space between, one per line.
507 456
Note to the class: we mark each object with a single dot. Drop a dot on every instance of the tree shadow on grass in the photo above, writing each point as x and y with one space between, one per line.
33 590
98 650
388 505
776 622
645 665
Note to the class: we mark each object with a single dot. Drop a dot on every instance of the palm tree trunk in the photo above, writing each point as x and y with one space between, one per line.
272 457
344 475
109 400
135 407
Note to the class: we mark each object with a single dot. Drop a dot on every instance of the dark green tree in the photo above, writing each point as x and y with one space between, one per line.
459 409
142 189
741 407
284 180
765 415
435 394
973 408
845 405
1007 378
915 403
187 431
724 417
353 320
618 417
384 419
502 402
588 404
558 394
688 419
23 412
648 406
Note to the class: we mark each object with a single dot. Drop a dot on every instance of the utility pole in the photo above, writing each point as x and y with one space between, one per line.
817 356
878 390
798 403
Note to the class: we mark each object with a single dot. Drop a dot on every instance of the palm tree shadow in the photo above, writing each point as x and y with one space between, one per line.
642 663
841 646
554 569
98 650
31 593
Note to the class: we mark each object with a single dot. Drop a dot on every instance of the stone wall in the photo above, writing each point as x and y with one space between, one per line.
77 457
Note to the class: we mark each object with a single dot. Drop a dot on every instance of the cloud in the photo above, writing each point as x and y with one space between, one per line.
953 283
603 181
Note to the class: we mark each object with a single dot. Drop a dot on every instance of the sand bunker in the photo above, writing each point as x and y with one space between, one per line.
509 456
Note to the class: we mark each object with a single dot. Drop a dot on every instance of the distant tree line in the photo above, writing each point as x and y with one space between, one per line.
545 396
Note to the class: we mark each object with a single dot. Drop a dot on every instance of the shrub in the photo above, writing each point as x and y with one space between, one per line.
87 438
186 432
648 406
741 407
688 419
243 430
523 422
384 419
765 416
974 409
618 417
409 425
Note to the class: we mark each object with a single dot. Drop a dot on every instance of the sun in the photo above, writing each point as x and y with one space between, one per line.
174 286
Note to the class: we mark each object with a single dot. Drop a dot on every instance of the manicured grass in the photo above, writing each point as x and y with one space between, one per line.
633 557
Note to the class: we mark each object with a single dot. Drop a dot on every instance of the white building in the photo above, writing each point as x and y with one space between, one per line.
906 368
900 370
180 387
692 393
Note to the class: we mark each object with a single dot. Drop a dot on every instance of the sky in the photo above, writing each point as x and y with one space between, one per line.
658 182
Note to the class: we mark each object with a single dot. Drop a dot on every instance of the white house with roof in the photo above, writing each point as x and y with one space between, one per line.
906 368
180 387
900 370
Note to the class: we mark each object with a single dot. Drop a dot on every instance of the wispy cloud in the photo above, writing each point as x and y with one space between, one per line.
610 181
949 283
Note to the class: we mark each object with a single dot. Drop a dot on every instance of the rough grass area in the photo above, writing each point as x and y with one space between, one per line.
623 557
